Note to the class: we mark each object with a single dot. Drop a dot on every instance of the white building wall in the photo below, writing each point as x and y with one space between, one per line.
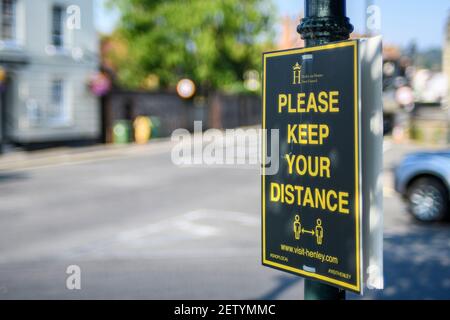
46 64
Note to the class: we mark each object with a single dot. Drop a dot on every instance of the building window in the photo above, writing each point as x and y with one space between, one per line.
58 112
58 26
9 16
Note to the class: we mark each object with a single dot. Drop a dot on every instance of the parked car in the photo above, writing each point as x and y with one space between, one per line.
423 179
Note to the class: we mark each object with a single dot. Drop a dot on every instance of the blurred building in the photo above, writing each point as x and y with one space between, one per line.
446 66
446 59
288 37
48 53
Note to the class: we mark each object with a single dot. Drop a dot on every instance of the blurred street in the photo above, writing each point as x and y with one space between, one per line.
140 227
98 202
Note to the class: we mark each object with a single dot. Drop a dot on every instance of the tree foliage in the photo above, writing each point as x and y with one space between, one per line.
213 42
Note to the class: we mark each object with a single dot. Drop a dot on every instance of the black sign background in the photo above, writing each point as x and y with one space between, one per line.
334 68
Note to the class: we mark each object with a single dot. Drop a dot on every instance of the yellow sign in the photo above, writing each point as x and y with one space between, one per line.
311 207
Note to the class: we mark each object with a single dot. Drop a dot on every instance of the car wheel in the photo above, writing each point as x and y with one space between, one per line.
428 200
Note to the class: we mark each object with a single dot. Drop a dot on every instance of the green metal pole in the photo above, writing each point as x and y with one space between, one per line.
318 291
325 21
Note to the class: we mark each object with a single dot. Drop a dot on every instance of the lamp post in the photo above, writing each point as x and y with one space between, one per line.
325 21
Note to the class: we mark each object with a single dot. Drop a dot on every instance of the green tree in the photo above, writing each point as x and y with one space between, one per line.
213 42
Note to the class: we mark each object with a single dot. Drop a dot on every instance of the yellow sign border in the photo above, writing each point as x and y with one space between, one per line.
354 44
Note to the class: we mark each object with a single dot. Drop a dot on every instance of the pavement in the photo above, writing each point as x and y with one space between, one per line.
140 227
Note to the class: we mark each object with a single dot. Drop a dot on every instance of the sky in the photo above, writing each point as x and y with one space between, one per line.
402 21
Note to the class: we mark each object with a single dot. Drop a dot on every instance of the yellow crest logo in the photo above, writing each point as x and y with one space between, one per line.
297 73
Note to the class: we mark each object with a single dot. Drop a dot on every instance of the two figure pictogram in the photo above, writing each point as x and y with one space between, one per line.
318 230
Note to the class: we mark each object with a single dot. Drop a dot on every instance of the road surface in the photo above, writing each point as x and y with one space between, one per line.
140 227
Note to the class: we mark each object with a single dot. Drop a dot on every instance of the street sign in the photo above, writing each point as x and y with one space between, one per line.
311 207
